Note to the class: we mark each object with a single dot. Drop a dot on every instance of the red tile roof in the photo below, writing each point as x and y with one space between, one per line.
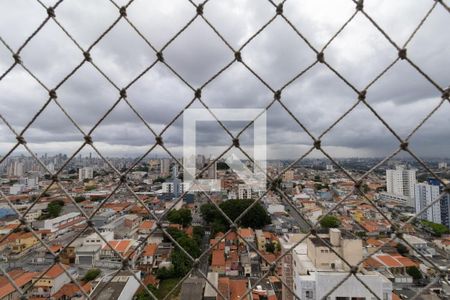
147 225
150 250
238 288
389 261
246 232
218 258
54 271
20 278
405 261
70 289
120 246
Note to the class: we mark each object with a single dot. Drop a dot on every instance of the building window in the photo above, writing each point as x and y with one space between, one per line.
358 298
342 298
309 294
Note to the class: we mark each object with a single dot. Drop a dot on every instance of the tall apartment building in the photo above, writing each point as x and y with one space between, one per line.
244 191
175 185
445 210
441 207
425 194
288 175
442 165
16 168
401 182
153 165
164 167
212 170
85 173
317 270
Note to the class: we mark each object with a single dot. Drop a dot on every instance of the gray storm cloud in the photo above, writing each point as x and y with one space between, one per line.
403 97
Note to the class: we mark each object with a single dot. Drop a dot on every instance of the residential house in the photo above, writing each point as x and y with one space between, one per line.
51 282
218 261
148 256
22 279
22 241
121 247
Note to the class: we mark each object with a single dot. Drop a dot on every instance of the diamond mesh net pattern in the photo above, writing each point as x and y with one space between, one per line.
159 58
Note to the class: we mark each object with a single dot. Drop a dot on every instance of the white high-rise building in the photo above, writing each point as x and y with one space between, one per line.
85 173
212 171
425 194
169 187
442 165
164 167
244 191
16 169
401 182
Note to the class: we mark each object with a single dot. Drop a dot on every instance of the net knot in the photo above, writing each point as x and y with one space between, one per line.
51 12
200 9
317 144
87 56
17 58
237 56
277 95
360 5
236 142
88 139
160 56
123 11
198 93
362 95
21 140
404 146
320 57
402 53
280 9
52 94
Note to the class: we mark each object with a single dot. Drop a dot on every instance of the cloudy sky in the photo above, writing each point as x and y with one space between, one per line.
360 53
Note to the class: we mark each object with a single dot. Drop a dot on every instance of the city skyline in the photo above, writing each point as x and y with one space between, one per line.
403 96
224 149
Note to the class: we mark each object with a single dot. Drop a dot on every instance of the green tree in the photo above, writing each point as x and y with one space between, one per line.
79 198
414 272
181 216
209 213
198 234
437 229
54 208
91 275
278 247
330 222
256 217
270 247
144 295
402 249
180 261
165 273
218 226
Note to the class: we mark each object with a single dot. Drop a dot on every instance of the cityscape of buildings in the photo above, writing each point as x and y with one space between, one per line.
93 219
